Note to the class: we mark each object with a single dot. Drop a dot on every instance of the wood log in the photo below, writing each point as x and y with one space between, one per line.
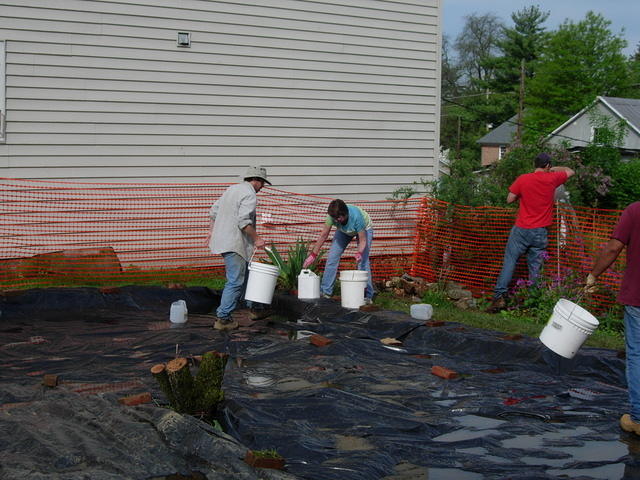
159 372
182 384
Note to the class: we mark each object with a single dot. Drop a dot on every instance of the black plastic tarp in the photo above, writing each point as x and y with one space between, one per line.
353 409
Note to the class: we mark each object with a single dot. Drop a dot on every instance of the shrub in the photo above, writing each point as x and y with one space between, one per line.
292 266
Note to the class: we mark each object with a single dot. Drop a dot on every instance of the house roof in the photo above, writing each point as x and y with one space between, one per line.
626 108
501 135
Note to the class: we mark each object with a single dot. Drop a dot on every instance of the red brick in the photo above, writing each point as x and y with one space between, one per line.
319 340
434 323
138 399
369 308
443 372
515 336
109 289
50 380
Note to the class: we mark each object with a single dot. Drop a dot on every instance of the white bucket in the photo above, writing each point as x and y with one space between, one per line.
568 328
308 285
178 312
262 282
352 285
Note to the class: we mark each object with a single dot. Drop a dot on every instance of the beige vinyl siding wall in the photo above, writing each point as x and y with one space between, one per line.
335 98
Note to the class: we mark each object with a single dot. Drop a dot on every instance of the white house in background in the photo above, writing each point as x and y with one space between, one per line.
578 131
334 97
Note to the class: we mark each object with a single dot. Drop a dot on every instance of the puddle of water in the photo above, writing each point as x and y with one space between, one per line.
597 451
478 422
473 450
463 434
551 462
452 474
537 441
482 452
291 384
446 403
605 472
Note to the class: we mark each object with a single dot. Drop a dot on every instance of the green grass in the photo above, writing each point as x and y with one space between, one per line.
502 322
160 279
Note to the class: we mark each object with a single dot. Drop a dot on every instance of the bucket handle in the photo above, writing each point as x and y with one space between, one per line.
268 249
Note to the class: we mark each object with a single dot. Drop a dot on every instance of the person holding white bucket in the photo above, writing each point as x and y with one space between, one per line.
233 235
350 221
626 234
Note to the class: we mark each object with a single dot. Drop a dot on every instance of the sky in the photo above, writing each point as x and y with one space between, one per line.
622 14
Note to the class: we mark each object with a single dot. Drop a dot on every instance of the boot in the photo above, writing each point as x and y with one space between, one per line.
225 324
629 425
497 304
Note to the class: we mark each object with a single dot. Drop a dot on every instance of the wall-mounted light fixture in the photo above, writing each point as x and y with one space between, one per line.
184 39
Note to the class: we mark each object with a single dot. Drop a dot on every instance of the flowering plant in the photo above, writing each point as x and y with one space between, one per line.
536 300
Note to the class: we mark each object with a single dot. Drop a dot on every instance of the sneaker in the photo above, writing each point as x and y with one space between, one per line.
225 324
629 425
325 295
497 304
368 301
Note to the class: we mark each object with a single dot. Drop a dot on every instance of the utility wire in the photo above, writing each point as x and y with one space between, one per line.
466 107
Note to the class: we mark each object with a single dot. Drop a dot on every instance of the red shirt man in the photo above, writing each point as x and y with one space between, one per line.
535 191
529 235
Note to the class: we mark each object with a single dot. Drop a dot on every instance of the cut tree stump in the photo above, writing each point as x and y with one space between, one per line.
181 383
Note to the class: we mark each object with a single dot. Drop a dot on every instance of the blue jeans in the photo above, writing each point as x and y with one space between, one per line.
338 245
632 340
533 241
236 272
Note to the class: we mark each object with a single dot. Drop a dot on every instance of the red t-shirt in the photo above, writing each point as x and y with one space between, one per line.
628 232
535 191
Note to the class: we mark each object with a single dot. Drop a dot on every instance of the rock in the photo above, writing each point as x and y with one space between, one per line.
458 293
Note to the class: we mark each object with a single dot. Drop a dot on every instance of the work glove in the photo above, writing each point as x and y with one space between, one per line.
309 260
590 284
358 257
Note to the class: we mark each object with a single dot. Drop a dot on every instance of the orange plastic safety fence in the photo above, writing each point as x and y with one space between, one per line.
63 233
466 245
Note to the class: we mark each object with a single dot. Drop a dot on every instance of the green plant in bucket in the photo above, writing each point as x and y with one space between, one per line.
292 266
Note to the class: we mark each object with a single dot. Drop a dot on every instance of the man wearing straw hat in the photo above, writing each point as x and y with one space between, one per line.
233 235
535 191
626 234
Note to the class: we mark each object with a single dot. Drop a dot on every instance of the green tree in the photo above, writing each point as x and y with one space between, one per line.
580 61
626 186
519 48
